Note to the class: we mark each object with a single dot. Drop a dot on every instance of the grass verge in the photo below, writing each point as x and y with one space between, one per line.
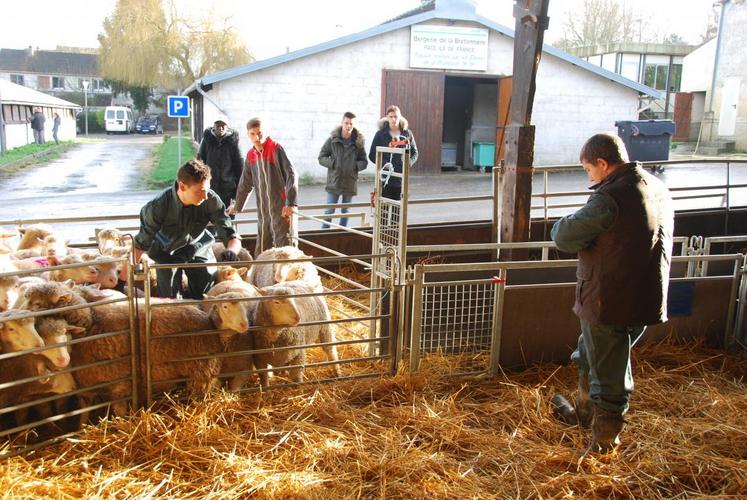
32 154
166 162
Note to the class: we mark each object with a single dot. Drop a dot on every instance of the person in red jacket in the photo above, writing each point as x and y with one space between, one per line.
269 173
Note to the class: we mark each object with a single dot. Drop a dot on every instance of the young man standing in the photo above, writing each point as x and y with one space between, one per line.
269 172
393 132
173 230
623 236
343 155
219 149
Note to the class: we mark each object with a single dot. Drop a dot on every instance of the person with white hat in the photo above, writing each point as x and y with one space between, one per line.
219 149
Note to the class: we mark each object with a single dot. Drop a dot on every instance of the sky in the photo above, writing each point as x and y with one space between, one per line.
273 27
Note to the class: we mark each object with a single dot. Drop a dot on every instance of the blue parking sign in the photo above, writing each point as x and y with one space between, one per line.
178 106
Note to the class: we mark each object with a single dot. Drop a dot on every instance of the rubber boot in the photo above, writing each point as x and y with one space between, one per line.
578 414
584 406
605 430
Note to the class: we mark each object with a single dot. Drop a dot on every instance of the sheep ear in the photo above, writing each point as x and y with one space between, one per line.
75 329
21 230
95 286
53 260
242 271
214 316
69 283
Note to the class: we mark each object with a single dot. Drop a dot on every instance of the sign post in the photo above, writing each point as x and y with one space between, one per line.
178 107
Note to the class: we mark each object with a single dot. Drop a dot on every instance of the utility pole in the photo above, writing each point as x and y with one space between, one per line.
85 102
2 125
531 23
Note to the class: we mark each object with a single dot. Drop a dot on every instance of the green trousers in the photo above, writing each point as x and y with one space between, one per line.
603 354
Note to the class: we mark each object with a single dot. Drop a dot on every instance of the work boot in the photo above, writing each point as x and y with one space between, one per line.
584 406
578 414
605 430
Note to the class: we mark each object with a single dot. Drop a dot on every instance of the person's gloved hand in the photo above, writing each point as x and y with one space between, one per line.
228 256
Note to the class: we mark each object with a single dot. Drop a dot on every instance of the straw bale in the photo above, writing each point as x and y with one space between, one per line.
415 436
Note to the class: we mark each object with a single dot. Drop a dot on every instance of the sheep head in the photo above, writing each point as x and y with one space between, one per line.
18 334
230 315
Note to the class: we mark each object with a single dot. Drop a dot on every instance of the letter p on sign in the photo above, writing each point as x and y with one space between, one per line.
178 106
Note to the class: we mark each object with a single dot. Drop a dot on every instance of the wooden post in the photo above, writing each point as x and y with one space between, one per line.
531 23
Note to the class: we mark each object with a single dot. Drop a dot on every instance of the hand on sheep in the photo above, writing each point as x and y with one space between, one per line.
228 256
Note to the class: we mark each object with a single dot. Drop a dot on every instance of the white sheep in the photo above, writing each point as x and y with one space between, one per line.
228 273
279 316
300 269
219 248
33 237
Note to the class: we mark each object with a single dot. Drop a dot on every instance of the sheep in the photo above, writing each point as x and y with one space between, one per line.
267 275
219 248
56 335
94 293
80 274
33 237
201 374
8 291
8 241
228 273
107 273
234 316
279 316
108 239
18 334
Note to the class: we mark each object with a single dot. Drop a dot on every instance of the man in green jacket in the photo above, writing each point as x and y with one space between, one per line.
623 236
343 155
173 230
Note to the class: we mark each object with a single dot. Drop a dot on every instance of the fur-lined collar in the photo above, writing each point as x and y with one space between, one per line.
359 139
384 123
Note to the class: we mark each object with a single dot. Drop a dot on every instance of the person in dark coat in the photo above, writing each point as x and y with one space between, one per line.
393 132
37 125
343 155
219 149
174 230
623 236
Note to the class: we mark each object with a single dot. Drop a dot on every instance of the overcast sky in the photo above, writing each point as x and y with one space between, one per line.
271 27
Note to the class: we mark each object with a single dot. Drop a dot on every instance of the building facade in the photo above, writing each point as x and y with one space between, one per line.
446 67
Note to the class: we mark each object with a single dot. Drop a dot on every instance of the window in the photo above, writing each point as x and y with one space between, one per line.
58 82
120 114
655 76
17 79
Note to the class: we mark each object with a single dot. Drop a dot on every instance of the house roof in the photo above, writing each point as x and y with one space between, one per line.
458 10
48 62
10 93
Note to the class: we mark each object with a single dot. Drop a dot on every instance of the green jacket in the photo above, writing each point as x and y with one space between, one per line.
343 162
167 225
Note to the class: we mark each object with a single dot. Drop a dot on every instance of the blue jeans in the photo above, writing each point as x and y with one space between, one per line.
603 353
334 198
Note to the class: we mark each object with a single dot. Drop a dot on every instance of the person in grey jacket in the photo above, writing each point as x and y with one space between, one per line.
219 149
343 155
173 230
623 236
37 125
269 173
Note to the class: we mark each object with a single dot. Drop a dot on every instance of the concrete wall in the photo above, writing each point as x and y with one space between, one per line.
733 64
302 100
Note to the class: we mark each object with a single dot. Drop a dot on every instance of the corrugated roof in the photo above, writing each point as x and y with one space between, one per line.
10 93
48 62
448 10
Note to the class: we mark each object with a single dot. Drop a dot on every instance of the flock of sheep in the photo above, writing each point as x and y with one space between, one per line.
75 350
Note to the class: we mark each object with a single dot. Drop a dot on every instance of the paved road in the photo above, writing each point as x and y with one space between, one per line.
97 178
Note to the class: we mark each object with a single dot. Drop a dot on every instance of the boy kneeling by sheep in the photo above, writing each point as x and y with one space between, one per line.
173 230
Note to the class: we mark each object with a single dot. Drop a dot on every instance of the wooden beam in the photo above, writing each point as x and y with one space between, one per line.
531 23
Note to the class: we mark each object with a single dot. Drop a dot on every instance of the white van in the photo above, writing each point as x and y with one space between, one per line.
118 119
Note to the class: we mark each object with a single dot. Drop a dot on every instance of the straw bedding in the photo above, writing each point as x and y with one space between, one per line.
416 435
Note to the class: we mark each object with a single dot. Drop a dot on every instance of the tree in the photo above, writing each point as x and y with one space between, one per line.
142 46
600 22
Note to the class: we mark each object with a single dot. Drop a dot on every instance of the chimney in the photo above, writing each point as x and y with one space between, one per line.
30 51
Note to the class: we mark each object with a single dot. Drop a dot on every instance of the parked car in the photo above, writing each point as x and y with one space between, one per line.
149 124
